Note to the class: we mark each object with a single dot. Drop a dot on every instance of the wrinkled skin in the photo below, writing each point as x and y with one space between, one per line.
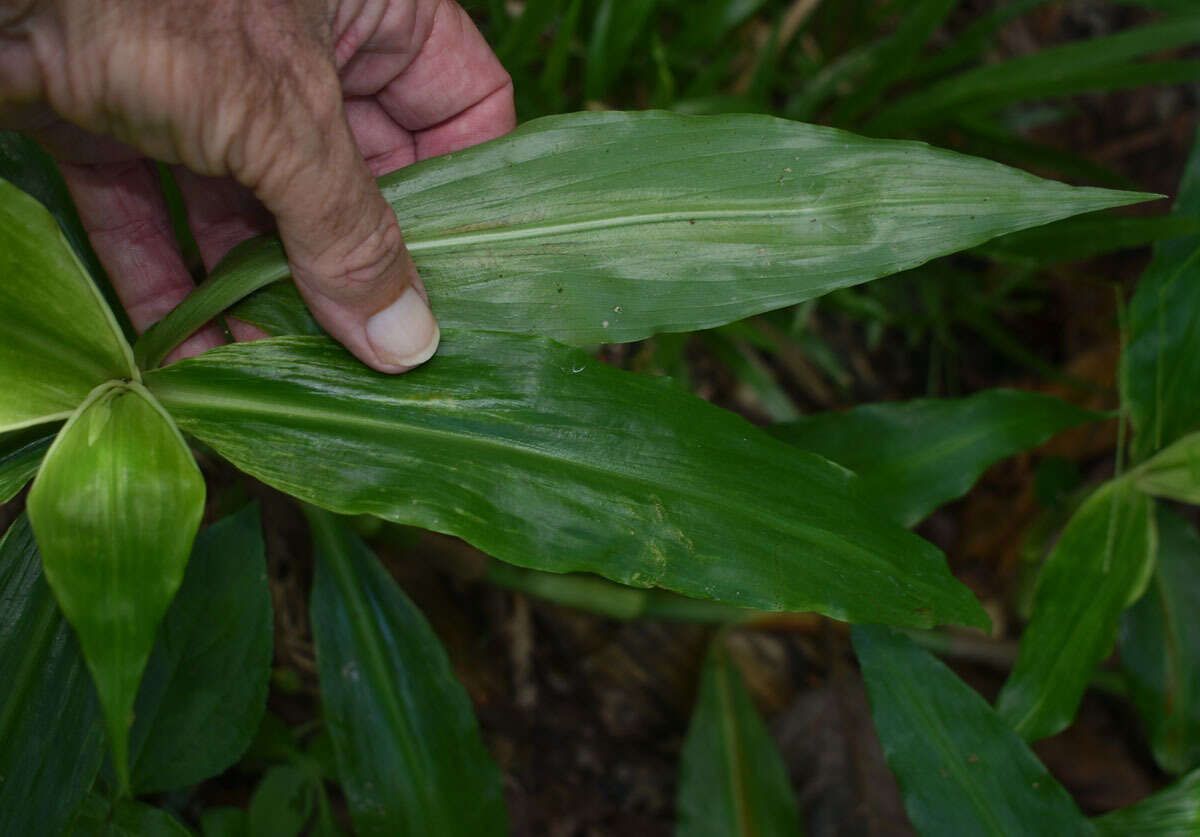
269 111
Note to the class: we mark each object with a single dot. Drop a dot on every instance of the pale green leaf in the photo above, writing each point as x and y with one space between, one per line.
60 338
1174 472
732 781
1098 568
610 227
1160 647
962 770
547 458
51 740
409 754
1172 812
913 456
205 687
115 508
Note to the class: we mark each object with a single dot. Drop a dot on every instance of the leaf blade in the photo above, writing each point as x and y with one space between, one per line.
605 472
961 769
408 746
115 508
1099 566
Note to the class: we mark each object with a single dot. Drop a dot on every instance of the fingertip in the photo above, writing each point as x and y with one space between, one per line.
403 335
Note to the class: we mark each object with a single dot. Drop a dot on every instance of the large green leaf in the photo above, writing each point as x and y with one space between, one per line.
205 686
1172 812
1160 368
1160 647
545 457
21 453
409 754
961 769
115 508
1098 568
608 227
732 782
60 338
913 456
1174 472
50 734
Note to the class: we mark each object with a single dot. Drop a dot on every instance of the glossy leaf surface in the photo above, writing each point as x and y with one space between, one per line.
1160 647
51 739
1098 568
961 769
545 457
409 754
1160 371
732 782
205 686
60 338
913 456
21 453
1172 812
115 508
1173 473
610 227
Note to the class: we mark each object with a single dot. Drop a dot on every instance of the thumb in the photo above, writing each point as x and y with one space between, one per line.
341 237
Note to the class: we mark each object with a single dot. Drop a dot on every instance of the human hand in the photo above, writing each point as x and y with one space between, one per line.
283 108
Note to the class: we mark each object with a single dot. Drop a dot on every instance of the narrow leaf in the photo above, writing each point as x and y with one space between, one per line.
610 227
961 769
1172 812
913 456
409 754
115 508
51 740
205 687
1085 237
1098 63
1160 647
733 782
545 457
1173 473
60 338
1160 368
21 453
1098 568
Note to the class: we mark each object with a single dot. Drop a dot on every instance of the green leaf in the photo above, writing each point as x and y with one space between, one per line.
25 165
1085 237
733 782
21 453
115 508
1160 368
961 769
409 754
602 471
279 310
127 818
913 456
1098 568
60 338
617 26
283 802
1160 647
1173 473
225 822
51 740
205 687
610 227
1172 812
1095 64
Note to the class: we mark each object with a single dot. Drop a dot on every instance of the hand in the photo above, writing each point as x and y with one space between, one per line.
283 108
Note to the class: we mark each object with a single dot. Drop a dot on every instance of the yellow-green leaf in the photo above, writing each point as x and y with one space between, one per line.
115 508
